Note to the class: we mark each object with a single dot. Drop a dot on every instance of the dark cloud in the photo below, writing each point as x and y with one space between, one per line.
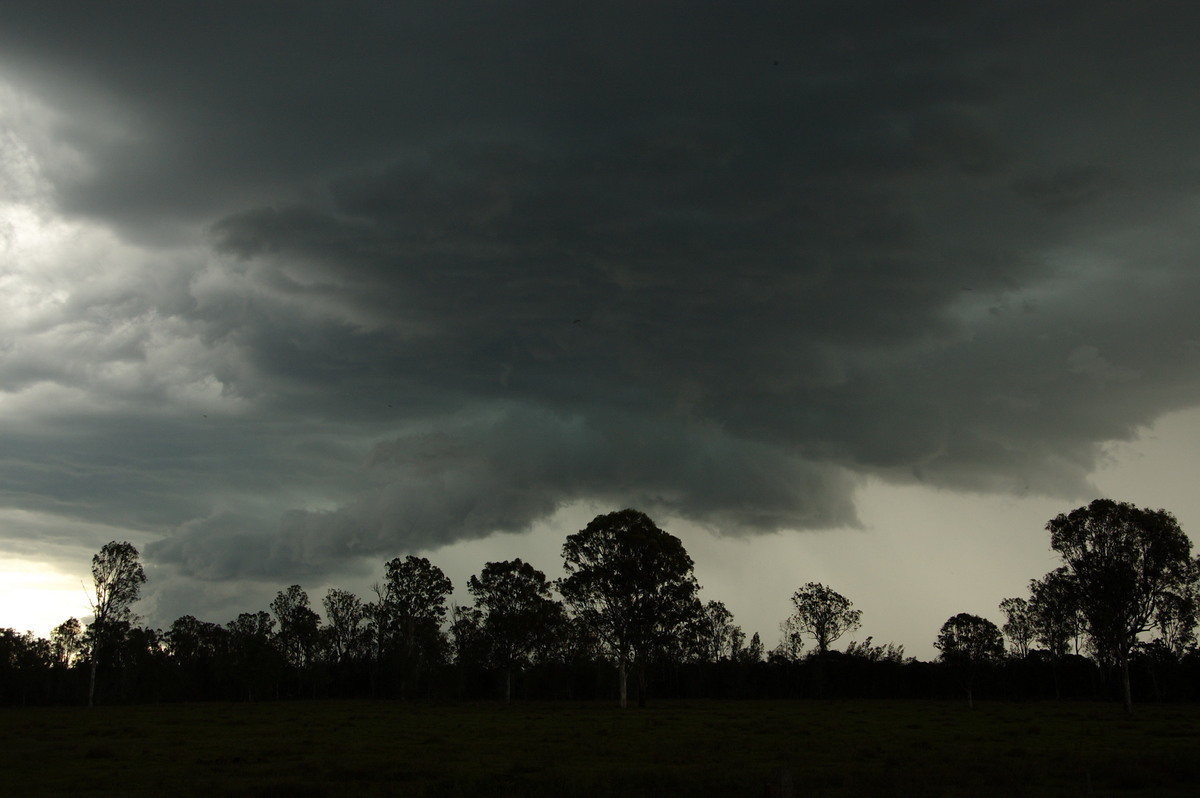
1069 188
501 472
382 277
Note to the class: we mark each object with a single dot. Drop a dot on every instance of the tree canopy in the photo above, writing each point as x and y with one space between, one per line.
299 625
1127 563
969 642
824 614
1018 624
632 584
117 578
406 620
1054 612
517 612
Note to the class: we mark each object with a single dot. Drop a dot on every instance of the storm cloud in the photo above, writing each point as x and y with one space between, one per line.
289 285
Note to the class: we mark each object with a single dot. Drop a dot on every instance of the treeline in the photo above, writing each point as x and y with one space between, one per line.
628 616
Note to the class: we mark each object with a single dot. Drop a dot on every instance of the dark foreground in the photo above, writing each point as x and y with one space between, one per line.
828 748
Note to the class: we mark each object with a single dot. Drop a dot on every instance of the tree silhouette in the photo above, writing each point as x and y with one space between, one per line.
753 652
190 639
632 584
254 658
517 613
343 633
197 649
23 656
406 621
467 639
117 578
717 636
1018 625
66 641
791 640
298 626
299 631
1054 613
968 643
824 614
1175 619
1127 563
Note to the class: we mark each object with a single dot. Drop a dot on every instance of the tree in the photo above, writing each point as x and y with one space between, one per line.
887 652
190 639
753 652
343 632
254 659
299 631
968 643
791 641
196 647
824 614
406 621
142 657
66 641
24 658
117 577
1126 563
1054 611
466 636
298 626
1176 620
1018 625
197 651
717 636
571 641
632 584
517 611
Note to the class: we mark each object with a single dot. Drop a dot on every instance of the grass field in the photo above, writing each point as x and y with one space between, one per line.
829 748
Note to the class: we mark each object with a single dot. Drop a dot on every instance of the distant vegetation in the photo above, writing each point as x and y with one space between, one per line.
1116 620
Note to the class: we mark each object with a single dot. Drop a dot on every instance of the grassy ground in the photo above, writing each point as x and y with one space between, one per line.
829 748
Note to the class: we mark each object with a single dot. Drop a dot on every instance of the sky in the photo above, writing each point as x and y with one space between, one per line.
854 292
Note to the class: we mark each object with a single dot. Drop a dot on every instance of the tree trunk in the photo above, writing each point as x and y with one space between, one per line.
1127 694
622 681
641 685
508 685
92 681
